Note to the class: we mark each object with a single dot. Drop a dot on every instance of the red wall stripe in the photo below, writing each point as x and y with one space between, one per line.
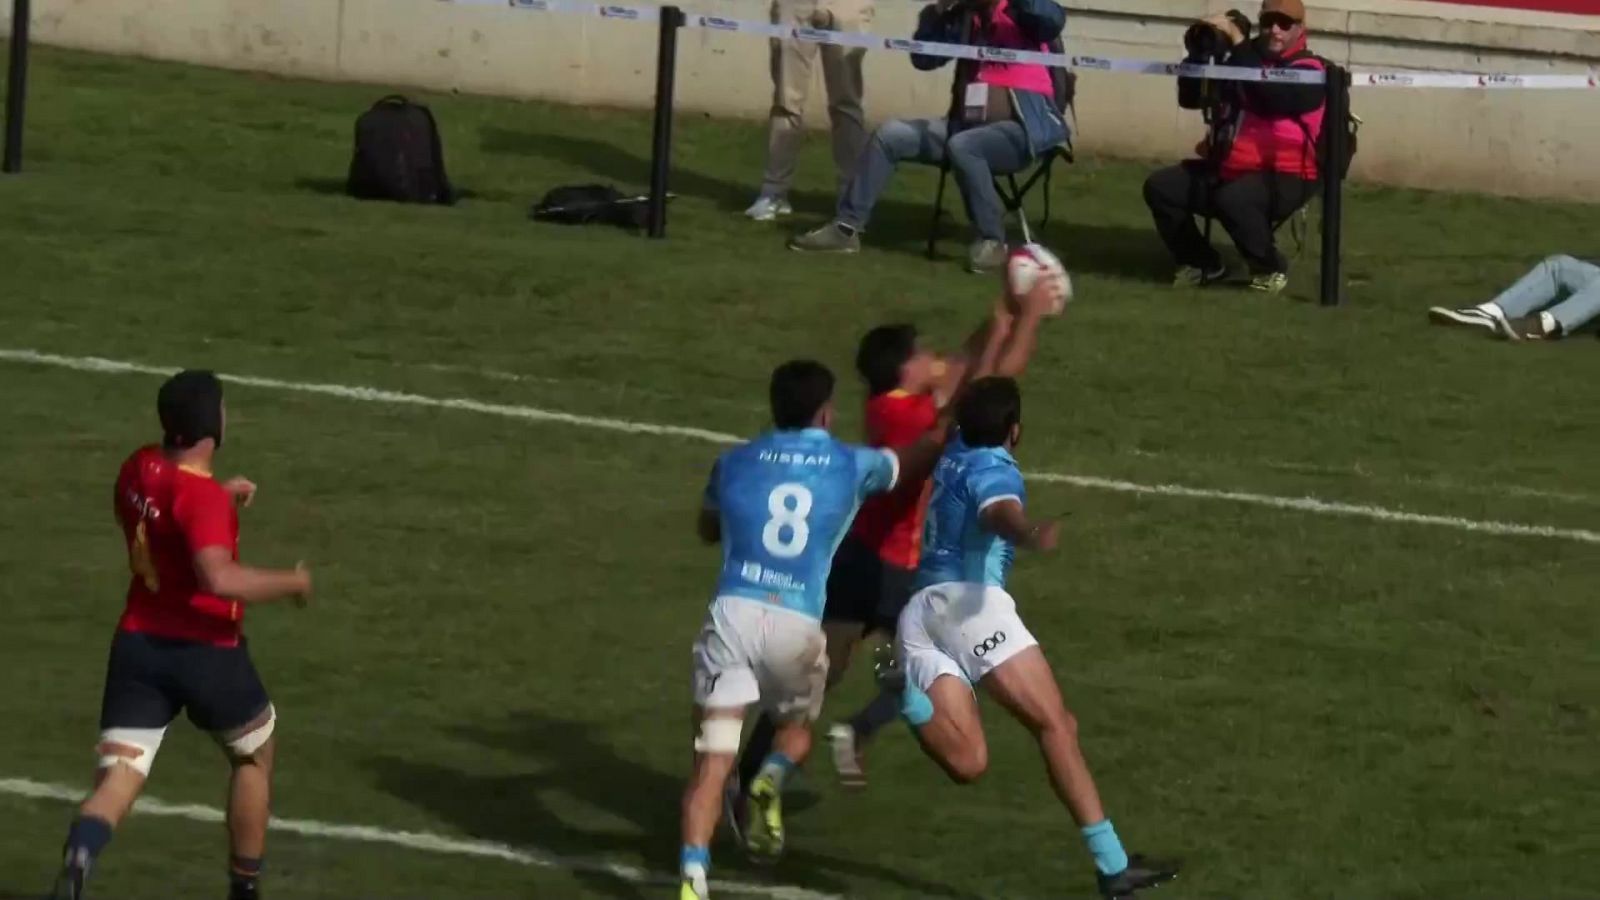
1575 7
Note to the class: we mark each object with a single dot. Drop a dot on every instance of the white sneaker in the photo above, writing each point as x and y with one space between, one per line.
1492 319
765 209
847 756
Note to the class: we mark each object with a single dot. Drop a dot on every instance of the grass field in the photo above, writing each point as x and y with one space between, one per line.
1299 704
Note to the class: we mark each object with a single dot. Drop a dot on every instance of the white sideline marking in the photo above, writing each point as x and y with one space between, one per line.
413 840
529 413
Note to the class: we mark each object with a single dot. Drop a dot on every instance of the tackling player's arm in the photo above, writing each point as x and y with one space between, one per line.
1011 355
1006 519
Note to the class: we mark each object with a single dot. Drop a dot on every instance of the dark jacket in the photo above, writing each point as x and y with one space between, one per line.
1041 21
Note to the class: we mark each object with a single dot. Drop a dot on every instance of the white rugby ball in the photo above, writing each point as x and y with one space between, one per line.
1030 262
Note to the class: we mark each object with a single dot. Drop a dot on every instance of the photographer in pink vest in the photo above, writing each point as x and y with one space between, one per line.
1003 116
1258 163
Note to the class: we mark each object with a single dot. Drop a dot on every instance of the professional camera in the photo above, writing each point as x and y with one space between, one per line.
1207 42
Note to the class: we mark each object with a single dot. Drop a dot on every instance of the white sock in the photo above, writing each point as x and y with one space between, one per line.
1491 308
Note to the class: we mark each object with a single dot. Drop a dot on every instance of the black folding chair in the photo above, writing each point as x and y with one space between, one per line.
1013 194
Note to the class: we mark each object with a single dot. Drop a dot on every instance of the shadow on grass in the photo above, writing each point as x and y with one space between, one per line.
897 226
572 766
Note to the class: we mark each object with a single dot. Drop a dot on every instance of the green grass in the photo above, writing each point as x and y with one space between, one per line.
1301 705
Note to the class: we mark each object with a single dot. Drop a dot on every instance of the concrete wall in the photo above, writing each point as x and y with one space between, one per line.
1533 143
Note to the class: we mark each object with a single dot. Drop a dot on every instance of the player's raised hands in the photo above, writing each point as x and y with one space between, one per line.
242 489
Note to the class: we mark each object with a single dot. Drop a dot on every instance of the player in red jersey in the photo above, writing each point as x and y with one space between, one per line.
179 645
908 386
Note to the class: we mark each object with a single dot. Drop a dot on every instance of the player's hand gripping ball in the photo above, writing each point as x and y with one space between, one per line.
1031 262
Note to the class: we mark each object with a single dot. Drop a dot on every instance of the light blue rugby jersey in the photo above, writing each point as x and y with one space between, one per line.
786 500
955 546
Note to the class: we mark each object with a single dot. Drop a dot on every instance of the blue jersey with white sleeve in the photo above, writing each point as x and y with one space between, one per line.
785 501
955 545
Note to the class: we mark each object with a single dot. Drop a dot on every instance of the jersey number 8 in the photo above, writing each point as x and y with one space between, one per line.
789 505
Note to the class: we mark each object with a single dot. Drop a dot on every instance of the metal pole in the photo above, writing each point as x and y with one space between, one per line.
16 85
661 138
1336 112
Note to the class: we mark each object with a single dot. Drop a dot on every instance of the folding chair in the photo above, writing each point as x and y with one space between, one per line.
1012 194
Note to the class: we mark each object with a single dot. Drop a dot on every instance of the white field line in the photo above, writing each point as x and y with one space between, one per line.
529 413
413 840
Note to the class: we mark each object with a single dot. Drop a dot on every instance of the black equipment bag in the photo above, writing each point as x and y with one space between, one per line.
398 155
583 204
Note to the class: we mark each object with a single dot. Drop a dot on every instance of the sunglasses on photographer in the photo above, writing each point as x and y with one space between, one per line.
1278 21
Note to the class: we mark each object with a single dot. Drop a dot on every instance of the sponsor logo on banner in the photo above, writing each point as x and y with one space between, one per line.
1091 62
1283 74
814 35
1392 78
999 53
538 5
620 12
1500 80
904 45
717 23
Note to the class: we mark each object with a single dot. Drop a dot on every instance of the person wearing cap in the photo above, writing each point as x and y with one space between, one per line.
1258 163
794 70
179 646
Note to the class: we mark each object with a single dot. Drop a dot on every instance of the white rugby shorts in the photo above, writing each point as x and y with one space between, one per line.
751 652
959 628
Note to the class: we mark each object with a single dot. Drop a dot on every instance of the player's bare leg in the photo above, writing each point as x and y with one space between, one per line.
1026 687
848 739
716 744
116 787
949 727
249 806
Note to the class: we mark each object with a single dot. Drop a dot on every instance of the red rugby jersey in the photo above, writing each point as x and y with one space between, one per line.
891 523
169 513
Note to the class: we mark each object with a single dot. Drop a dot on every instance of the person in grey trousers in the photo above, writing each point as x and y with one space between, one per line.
1524 312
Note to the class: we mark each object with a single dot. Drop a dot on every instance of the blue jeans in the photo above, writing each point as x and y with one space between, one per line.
975 155
1557 275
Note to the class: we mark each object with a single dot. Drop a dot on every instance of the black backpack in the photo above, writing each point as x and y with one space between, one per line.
582 204
1351 124
398 156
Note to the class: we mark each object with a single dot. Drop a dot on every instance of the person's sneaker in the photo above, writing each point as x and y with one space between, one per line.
250 891
830 238
694 887
1141 873
1269 282
70 883
847 756
1470 316
1194 276
764 821
886 669
987 256
1530 328
765 209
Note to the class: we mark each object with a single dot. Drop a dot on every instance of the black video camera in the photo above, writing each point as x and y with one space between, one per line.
1206 44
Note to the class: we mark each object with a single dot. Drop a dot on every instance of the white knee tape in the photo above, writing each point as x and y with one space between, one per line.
248 743
132 747
719 736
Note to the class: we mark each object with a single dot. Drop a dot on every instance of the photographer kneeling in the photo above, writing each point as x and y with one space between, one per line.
1002 116
1259 158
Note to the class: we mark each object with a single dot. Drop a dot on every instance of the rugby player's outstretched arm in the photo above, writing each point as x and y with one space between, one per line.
917 461
221 575
1023 336
1006 519
982 343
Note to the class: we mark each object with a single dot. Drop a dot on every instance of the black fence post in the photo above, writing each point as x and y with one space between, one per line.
661 138
1336 112
16 85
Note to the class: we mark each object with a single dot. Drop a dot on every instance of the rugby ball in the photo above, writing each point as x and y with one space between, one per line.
1030 262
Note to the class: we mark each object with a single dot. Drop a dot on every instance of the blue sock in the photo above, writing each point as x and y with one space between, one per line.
916 706
777 767
1106 847
87 837
695 857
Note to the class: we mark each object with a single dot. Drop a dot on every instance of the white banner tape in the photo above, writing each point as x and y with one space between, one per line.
1359 78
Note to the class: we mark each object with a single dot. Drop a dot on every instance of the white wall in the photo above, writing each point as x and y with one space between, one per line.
1533 143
